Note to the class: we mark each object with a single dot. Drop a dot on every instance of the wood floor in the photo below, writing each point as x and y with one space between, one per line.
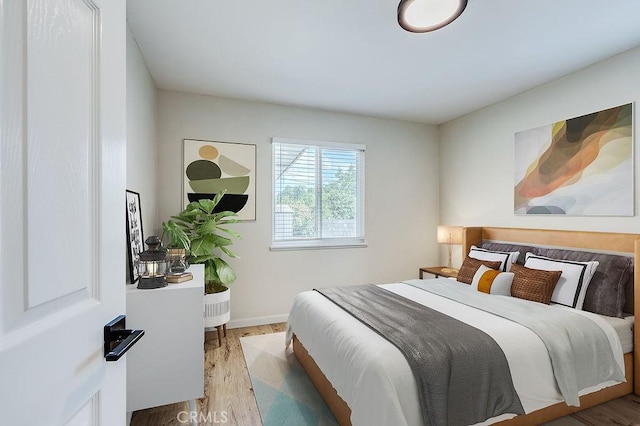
229 398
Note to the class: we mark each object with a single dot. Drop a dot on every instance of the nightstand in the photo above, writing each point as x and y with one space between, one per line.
438 271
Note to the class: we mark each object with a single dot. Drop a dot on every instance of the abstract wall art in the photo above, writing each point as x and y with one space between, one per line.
581 166
211 167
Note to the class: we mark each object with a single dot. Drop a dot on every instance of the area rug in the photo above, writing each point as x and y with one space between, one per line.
284 393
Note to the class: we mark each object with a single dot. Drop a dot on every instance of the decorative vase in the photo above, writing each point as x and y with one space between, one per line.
217 308
178 260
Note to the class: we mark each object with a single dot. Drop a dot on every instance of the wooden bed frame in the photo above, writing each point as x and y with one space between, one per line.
601 241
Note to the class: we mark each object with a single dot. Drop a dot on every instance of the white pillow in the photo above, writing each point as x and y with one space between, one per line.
572 285
490 281
505 257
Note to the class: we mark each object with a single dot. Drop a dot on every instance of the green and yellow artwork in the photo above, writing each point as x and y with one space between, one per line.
582 166
211 167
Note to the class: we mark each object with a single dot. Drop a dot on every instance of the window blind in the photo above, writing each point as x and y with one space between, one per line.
318 193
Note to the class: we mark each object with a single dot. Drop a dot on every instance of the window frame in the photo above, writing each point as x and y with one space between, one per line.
320 242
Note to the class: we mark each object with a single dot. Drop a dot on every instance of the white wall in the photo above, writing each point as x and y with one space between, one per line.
142 153
401 196
477 155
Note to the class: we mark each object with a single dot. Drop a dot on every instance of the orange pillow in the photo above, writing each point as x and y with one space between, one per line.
533 284
471 265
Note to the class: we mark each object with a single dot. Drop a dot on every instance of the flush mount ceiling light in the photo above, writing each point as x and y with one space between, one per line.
421 16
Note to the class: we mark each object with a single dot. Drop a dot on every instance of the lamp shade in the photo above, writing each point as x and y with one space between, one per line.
449 234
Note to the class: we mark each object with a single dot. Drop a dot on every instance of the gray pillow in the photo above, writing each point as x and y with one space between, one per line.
606 294
606 291
504 247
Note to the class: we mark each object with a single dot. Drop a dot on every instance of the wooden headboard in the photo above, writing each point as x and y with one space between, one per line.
601 241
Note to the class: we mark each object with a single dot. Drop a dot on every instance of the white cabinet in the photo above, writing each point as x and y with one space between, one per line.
167 364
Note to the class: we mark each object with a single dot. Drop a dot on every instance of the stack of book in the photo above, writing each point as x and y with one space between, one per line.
178 277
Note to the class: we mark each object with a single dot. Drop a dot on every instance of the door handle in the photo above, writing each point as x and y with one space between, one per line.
117 339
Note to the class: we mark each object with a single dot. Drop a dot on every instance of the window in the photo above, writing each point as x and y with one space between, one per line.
318 194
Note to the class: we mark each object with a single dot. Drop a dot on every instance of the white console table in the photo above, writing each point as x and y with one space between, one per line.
167 364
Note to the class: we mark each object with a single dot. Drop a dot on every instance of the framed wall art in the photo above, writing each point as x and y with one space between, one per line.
582 166
135 237
210 167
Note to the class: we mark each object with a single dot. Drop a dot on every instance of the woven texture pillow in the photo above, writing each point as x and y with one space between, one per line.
533 284
470 266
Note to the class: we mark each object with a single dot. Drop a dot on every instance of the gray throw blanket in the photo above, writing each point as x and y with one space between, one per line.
462 374
580 351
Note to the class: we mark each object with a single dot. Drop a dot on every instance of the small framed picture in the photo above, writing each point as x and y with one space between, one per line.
135 237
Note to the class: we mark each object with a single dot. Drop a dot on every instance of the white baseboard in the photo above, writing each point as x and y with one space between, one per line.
247 322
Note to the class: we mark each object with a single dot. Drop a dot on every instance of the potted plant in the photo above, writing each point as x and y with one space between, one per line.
208 240
177 235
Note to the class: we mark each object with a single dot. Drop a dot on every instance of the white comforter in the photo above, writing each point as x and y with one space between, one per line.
373 377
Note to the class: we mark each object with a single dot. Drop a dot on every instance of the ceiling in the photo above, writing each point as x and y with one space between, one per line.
352 56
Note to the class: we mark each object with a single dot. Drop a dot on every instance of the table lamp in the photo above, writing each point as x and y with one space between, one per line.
449 235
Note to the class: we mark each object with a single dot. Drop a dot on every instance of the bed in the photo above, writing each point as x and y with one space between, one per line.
319 331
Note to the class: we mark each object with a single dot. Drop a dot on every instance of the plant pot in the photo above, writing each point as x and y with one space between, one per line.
217 308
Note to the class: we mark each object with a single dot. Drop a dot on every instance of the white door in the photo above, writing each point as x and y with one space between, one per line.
62 186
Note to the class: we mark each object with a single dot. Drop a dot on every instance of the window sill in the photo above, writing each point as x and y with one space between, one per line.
317 245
